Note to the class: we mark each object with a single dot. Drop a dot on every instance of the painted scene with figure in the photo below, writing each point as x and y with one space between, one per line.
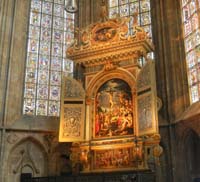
114 109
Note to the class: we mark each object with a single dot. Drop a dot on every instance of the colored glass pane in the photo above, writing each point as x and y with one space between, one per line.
145 6
192 6
36 5
56 64
121 2
124 10
58 23
145 18
35 18
55 78
30 90
195 22
113 12
54 108
29 106
41 107
46 34
47 7
34 32
43 77
42 92
31 75
58 10
46 20
113 3
32 60
55 93
129 8
44 61
50 32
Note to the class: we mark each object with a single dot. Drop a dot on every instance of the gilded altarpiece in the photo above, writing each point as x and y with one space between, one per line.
119 130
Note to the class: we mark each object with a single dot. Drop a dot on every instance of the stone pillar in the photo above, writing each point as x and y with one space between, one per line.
172 86
172 83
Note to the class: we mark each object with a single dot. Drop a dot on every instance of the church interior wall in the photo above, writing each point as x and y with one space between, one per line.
18 131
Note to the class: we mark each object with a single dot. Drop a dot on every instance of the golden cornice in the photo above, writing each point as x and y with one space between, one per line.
109 41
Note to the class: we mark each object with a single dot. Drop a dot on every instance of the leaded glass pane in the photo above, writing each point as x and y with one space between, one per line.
57 36
59 1
34 32
46 21
55 93
121 2
36 5
45 47
33 46
187 27
42 107
29 106
129 8
55 78
31 75
124 10
46 34
54 108
113 12
190 11
58 10
68 66
145 5
58 23
186 13
43 77
44 61
50 32
195 22
46 7
191 59
35 18
145 18
30 90
113 3
32 60
192 6
134 7
42 92
194 93
56 64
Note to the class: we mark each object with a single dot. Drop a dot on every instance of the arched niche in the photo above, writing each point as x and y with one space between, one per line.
28 155
112 99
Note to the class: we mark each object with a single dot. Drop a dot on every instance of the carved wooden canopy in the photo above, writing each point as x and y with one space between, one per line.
109 41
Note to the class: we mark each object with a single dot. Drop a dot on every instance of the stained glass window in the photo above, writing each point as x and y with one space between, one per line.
191 20
126 8
50 33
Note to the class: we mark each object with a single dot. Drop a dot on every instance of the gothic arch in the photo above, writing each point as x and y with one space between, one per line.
103 76
27 152
188 150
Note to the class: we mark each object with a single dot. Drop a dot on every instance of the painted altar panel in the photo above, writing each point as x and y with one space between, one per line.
113 158
145 114
72 119
147 100
113 110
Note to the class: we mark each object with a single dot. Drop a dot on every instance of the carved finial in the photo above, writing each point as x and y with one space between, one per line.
135 18
103 11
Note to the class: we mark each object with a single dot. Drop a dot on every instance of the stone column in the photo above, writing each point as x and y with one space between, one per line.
172 86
